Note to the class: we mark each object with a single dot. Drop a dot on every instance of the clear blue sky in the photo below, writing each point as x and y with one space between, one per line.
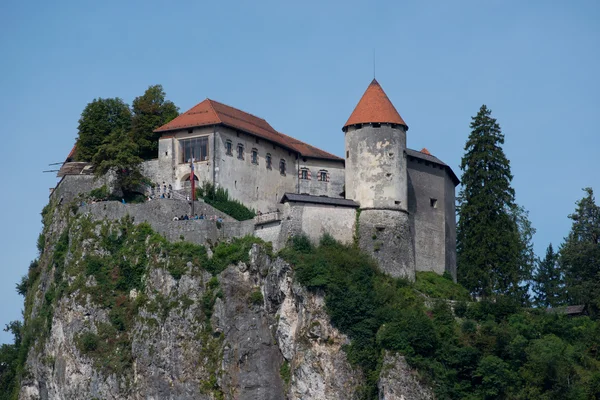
303 66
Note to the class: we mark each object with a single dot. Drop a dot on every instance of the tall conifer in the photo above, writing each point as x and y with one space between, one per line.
490 243
580 254
548 281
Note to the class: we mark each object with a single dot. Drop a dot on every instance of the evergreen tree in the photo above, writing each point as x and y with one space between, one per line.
580 254
98 120
151 111
548 281
492 231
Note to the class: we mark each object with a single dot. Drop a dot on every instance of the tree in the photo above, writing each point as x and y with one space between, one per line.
492 230
548 281
98 120
580 254
119 154
151 111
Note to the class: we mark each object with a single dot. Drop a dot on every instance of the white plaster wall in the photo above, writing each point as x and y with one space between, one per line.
313 186
376 167
314 220
253 184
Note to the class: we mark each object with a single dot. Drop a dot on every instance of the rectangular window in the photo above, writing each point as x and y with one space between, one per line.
303 173
228 148
268 161
255 156
282 166
196 148
433 203
240 152
323 176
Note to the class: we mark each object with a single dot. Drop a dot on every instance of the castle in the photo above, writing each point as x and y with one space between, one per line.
397 203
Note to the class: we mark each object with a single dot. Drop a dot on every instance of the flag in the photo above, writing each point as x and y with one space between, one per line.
192 176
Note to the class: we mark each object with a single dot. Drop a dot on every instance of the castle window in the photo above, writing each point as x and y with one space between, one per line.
347 153
376 125
196 148
269 162
228 148
240 151
282 166
304 173
323 176
255 156
433 203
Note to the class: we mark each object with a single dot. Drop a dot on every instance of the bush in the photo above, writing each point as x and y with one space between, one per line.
256 297
88 342
100 193
440 287
219 199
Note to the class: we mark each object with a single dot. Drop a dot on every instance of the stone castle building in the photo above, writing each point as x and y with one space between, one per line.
396 203
404 199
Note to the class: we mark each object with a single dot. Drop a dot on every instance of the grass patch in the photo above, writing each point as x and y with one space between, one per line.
219 199
440 286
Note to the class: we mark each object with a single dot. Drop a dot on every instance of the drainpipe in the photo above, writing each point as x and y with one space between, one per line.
297 173
214 155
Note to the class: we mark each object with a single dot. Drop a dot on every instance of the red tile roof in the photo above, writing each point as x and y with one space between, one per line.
210 112
425 151
374 107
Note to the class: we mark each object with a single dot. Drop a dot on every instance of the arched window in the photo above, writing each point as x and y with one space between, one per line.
269 162
282 166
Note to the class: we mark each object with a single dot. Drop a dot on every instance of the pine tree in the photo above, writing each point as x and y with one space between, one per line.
548 281
580 254
492 236
151 111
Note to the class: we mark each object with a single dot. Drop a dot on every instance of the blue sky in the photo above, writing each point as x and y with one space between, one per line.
303 66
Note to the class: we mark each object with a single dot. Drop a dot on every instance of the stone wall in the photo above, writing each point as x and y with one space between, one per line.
255 185
159 214
376 167
270 232
387 236
314 220
332 188
431 206
71 185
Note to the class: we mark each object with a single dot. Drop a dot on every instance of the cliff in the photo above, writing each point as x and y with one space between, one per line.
116 311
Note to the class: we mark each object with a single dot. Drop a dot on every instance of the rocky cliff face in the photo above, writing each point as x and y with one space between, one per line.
169 329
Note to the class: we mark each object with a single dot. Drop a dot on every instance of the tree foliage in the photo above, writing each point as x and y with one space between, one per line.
580 254
493 252
548 281
98 120
150 111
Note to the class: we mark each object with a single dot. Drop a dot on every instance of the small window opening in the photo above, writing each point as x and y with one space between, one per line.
323 176
255 156
269 162
166 153
282 166
397 202
376 125
304 173
240 151
391 154
190 130
256 140
433 203
347 153
235 184
228 148
388 174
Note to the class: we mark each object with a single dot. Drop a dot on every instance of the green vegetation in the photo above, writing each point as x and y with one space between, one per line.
256 297
219 199
496 350
285 372
494 250
440 287
117 138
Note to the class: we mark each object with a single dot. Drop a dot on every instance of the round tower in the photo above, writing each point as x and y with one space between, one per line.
376 178
375 159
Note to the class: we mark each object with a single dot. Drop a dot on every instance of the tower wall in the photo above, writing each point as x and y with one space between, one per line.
387 236
376 166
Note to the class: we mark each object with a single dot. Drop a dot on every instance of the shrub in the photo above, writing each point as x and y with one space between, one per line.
88 342
256 297
219 199
100 193
440 287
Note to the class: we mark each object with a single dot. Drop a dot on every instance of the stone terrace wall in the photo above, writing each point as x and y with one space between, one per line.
159 214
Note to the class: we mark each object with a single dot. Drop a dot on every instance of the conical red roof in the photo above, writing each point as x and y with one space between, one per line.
375 107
